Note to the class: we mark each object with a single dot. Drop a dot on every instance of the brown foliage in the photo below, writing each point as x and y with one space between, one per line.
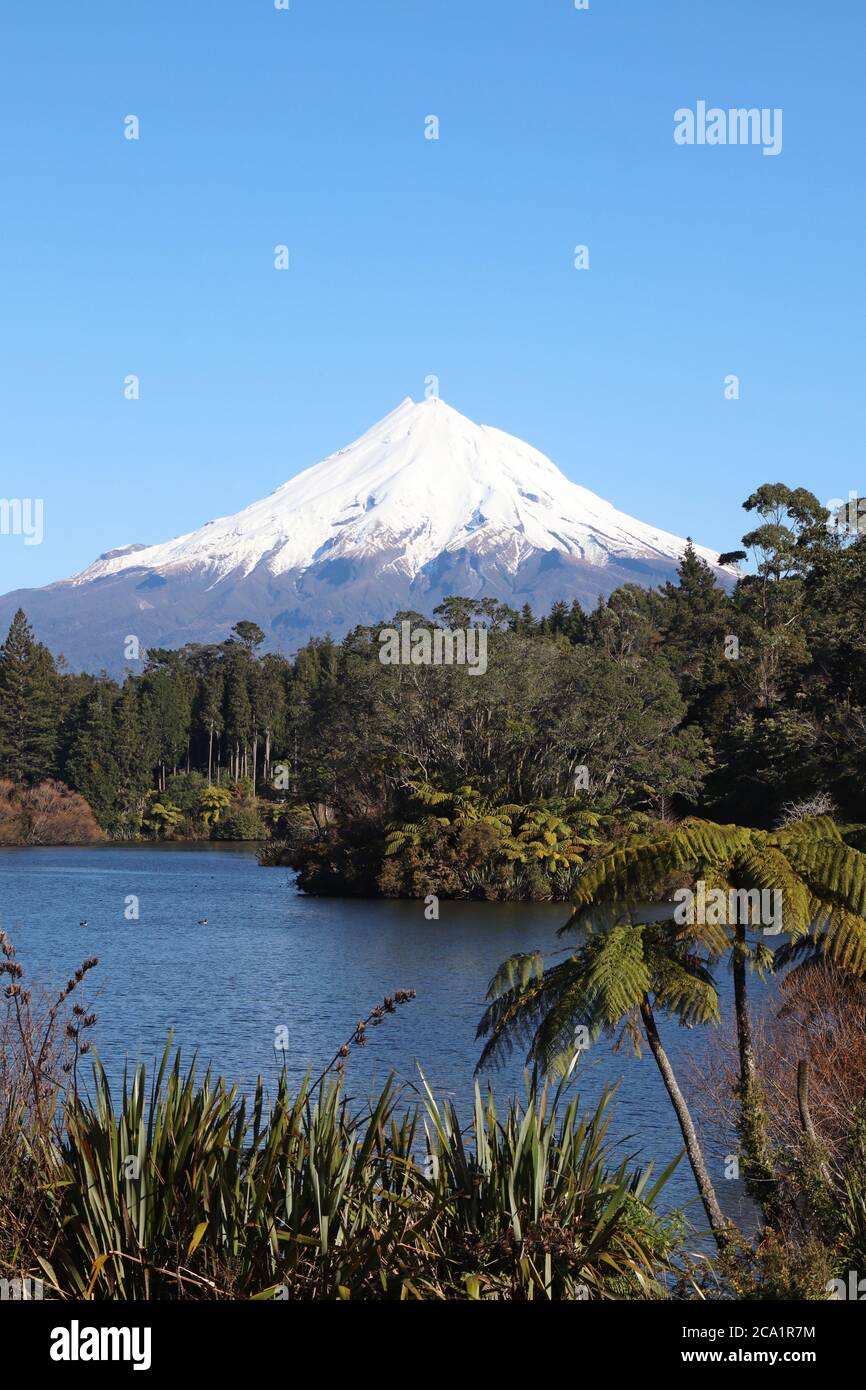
10 814
49 813
820 1016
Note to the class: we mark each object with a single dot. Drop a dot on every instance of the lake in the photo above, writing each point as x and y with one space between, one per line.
269 957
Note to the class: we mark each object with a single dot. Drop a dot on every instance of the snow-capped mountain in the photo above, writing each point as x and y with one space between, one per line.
424 504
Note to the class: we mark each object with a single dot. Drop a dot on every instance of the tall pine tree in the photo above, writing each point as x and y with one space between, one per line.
28 705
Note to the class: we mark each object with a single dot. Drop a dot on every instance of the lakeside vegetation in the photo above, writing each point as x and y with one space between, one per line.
181 1188
406 780
807 1180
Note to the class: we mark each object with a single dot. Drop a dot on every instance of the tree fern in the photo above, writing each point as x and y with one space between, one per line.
609 985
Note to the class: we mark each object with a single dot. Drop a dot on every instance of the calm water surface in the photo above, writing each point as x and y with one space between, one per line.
269 957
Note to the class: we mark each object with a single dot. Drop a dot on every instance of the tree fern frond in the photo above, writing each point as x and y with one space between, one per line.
617 976
687 989
514 1015
765 867
832 869
515 973
844 941
809 828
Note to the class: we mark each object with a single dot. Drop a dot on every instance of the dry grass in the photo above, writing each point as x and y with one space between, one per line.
42 1038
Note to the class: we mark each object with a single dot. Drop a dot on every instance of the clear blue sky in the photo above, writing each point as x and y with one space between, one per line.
412 257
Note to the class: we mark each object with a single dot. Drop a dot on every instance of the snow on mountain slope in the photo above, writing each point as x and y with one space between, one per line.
422 482
424 505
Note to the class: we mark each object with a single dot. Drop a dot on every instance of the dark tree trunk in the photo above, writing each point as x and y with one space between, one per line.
720 1226
757 1161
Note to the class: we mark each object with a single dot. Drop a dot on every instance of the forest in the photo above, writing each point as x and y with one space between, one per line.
403 779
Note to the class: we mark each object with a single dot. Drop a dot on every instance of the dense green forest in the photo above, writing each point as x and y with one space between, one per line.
386 778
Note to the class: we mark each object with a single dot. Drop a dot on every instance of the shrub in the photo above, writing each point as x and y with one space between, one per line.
345 863
49 813
184 789
811 1060
240 822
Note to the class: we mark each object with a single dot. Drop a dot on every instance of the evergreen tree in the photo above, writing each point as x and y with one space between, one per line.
169 687
210 712
28 705
270 694
133 756
697 618
577 626
238 716
525 623
248 634
91 766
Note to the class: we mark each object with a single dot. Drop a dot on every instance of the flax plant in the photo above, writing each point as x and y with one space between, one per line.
187 1189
